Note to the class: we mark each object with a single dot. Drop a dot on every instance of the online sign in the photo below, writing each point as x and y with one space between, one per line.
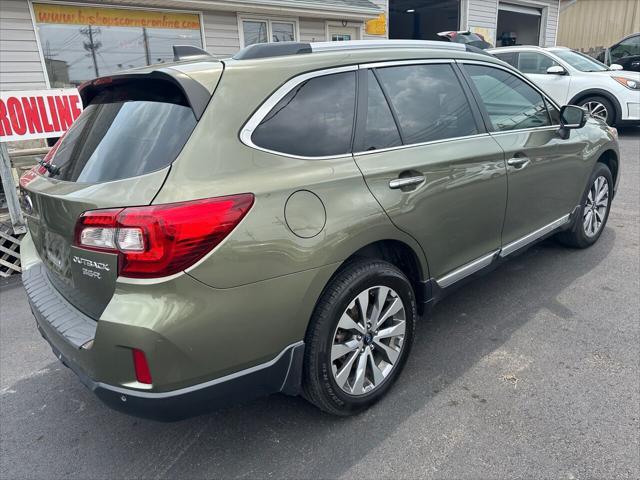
29 115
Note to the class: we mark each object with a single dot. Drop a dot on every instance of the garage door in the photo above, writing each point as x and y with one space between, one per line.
518 25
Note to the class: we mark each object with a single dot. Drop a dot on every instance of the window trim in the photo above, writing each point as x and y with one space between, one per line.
269 21
246 132
475 111
489 125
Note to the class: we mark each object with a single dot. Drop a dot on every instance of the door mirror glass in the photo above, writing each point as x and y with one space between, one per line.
556 70
572 117
616 67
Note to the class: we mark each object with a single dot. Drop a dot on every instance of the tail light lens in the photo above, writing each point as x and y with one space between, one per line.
161 240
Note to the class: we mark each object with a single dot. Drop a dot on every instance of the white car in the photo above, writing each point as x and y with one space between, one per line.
571 77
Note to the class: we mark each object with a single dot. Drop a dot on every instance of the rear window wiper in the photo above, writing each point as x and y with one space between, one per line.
52 169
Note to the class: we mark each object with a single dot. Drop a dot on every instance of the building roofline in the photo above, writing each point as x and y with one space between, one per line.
282 7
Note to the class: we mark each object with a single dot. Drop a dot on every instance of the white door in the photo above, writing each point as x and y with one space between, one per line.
342 34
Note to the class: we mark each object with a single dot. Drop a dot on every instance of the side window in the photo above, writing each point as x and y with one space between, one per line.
510 102
510 57
626 48
379 129
429 102
314 119
533 62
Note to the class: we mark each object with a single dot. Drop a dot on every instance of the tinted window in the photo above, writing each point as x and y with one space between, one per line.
125 131
532 62
511 58
380 130
626 48
510 102
314 119
429 102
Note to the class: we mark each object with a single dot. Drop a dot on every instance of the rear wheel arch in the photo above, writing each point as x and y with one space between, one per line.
399 254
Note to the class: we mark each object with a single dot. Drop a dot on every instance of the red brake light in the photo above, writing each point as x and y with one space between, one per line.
143 374
160 240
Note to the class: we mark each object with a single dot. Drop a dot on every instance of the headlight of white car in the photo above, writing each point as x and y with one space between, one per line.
627 82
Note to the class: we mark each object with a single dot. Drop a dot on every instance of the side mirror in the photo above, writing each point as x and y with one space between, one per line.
571 117
616 67
556 70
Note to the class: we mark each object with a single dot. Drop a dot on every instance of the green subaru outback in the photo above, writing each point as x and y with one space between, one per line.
278 221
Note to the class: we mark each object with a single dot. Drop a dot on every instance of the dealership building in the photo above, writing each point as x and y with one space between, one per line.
49 44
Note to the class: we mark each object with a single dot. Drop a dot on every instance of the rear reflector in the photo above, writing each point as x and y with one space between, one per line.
161 240
143 374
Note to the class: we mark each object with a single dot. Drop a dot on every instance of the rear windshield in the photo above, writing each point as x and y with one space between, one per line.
126 130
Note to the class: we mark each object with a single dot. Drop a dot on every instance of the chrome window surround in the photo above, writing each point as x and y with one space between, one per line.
264 109
249 127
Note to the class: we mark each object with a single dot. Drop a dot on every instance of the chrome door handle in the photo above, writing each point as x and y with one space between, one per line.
406 182
518 162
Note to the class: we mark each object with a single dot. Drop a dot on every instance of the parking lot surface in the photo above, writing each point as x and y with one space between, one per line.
532 371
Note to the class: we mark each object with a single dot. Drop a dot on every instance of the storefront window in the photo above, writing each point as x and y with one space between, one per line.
264 31
80 43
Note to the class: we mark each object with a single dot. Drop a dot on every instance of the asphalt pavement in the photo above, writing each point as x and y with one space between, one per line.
531 371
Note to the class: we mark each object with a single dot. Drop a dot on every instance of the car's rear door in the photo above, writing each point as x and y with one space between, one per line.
427 159
542 168
116 154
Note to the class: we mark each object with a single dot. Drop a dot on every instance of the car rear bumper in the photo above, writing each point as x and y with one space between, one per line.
71 336
282 374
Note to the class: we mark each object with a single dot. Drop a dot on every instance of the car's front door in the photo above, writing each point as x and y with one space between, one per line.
427 159
541 166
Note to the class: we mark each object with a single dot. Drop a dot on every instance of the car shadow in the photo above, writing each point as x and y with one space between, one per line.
53 424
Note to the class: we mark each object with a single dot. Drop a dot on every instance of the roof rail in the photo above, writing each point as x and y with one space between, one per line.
371 44
266 50
279 49
189 52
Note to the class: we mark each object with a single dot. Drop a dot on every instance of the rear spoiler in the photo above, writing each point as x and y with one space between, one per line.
196 94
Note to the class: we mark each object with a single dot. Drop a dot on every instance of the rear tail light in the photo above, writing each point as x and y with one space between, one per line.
143 374
160 240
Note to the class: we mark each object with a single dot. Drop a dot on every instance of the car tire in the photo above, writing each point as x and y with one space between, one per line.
336 383
596 105
583 234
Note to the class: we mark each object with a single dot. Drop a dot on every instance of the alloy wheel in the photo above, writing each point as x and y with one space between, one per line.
596 206
368 340
598 110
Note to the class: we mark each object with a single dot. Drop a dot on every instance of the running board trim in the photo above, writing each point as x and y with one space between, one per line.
486 260
533 236
466 270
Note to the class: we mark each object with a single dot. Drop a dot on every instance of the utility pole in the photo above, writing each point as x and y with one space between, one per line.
92 45
145 40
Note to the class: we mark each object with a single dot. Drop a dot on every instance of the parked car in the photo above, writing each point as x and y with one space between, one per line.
466 37
571 77
277 222
625 53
